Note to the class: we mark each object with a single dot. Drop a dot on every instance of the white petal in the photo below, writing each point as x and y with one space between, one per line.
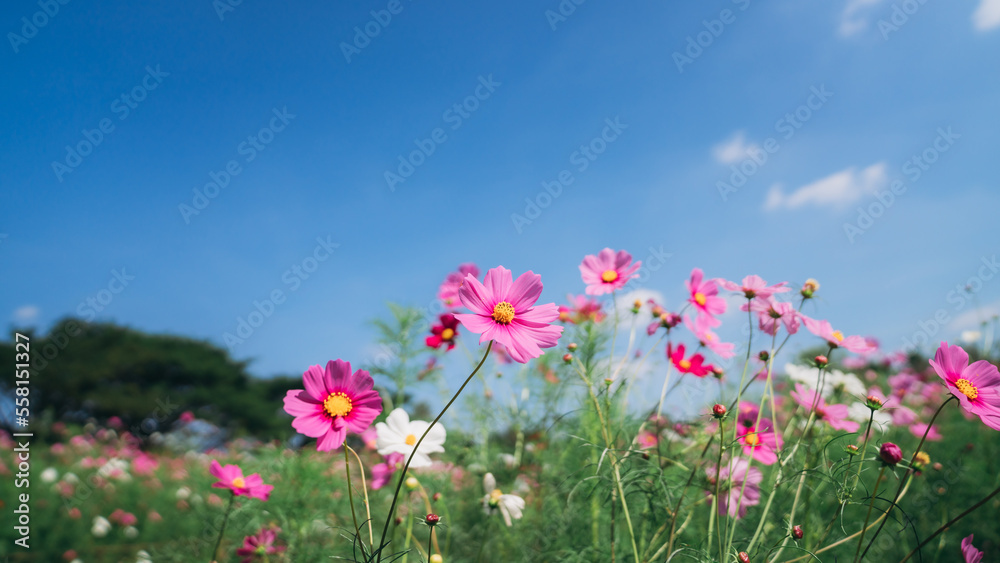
489 483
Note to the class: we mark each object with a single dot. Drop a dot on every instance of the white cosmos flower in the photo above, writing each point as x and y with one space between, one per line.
131 532
847 384
399 434
101 527
50 475
510 506
859 412
183 493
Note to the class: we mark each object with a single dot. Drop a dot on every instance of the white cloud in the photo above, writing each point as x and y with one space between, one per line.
987 15
26 315
853 18
837 190
734 149
973 318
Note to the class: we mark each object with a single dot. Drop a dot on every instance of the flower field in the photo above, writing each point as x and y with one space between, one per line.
610 427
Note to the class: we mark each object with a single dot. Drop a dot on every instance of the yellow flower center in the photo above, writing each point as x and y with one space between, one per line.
239 483
700 298
685 364
495 497
410 439
967 388
838 335
752 439
503 313
338 404
609 276
447 334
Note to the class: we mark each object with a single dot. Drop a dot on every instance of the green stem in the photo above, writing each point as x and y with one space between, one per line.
949 524
350 496
871 505
402 474
222 530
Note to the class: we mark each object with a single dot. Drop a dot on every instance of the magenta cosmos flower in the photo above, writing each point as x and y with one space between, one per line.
608 271
503 310
333 402
760 442
977 386
754 287
444 333
448 292
259 546
971 554
231 477
834 415
732 476
694 364
822 329
705 296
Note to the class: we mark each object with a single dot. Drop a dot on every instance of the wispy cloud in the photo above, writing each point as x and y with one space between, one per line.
987 15
26 315
836 190
734 149
854 18
973 318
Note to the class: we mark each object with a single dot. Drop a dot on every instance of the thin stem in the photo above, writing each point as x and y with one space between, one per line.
430 539
364 487
402 474
350 493
222 530
909 472
950 522
871 505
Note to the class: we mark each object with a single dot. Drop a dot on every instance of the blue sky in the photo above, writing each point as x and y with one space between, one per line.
183 93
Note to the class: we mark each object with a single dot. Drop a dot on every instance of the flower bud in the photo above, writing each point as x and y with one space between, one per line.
432 520
937 466
873 402
436 497
636 306
821 361
743 557
568 358
797 532
412 483
921 461
571 346
719 411
851 450
890 453
809 288
436 559
764 356
398 520
718 372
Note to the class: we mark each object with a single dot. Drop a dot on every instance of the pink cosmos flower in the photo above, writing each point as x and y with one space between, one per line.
647 439
259 546
918 429
444 333
370 438
822 329
231 477
701 327
772 314
581 309
731 482
705 296
333 402
693 365
834 415
382 472
448 292
971 554
608 271
504 310
187 416
754 287
761 442
144 464
976 386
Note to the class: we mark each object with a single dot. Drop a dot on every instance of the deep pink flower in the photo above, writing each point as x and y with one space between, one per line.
772 314
187 416
822 329
608 271
144 464
581 309
693 365
971 554
444 333
333 402
731 483
701 327
977 386
705 296
761 442
647 439
257 547
504 310
754 287
834 415
382 472
448 292
231 477
890 453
